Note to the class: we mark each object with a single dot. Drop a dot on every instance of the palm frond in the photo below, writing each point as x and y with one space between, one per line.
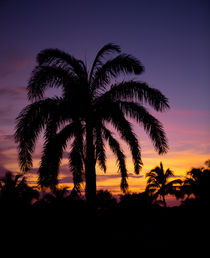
152 187
123 63
100 148
156 177
114 115
107 49
152 179
52 155
169 173
151 125
115 147
29 124
136 91
62 59
44 77
174 188
50 162
76 163
173 183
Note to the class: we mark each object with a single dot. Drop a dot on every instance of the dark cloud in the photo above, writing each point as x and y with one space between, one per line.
66 179
115 176
134 175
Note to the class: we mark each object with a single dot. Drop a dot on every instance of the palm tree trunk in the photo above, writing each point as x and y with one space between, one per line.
90 171
164 201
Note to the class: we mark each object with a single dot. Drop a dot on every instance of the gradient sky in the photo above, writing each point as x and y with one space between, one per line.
170 37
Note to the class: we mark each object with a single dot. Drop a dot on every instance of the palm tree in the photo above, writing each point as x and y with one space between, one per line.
158 185
14 190
89 101
197 183
10 187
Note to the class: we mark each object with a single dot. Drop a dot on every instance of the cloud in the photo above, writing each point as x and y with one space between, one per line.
66 179
105 177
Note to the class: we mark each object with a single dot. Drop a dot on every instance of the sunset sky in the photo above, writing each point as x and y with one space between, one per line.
170 37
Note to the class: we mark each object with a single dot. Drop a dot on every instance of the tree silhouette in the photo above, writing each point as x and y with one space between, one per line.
88 103
105 200
14 190
158 184
136 201
207 163
197 183
57 196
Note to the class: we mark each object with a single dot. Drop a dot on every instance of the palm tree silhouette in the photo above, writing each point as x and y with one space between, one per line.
158 185
10 186
197 183
14 190
89 101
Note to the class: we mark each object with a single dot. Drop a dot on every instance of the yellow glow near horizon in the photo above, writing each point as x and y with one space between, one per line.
178 161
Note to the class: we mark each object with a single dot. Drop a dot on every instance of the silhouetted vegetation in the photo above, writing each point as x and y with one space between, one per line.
195 187
88 102
16 192
158 183
62 218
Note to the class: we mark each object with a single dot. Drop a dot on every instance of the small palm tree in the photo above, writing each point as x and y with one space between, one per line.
158 184
89 101
14 190
10 187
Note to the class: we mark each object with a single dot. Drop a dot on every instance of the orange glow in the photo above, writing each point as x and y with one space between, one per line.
188 149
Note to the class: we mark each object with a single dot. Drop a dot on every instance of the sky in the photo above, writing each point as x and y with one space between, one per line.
171 39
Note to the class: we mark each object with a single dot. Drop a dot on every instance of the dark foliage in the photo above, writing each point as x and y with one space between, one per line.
62 221
195 187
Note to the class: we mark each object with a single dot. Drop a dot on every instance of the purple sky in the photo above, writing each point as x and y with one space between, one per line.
170 37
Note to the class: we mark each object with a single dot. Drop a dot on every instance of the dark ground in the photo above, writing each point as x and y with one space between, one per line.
75 229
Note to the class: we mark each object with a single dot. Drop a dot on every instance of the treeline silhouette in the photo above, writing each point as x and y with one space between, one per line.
138 219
